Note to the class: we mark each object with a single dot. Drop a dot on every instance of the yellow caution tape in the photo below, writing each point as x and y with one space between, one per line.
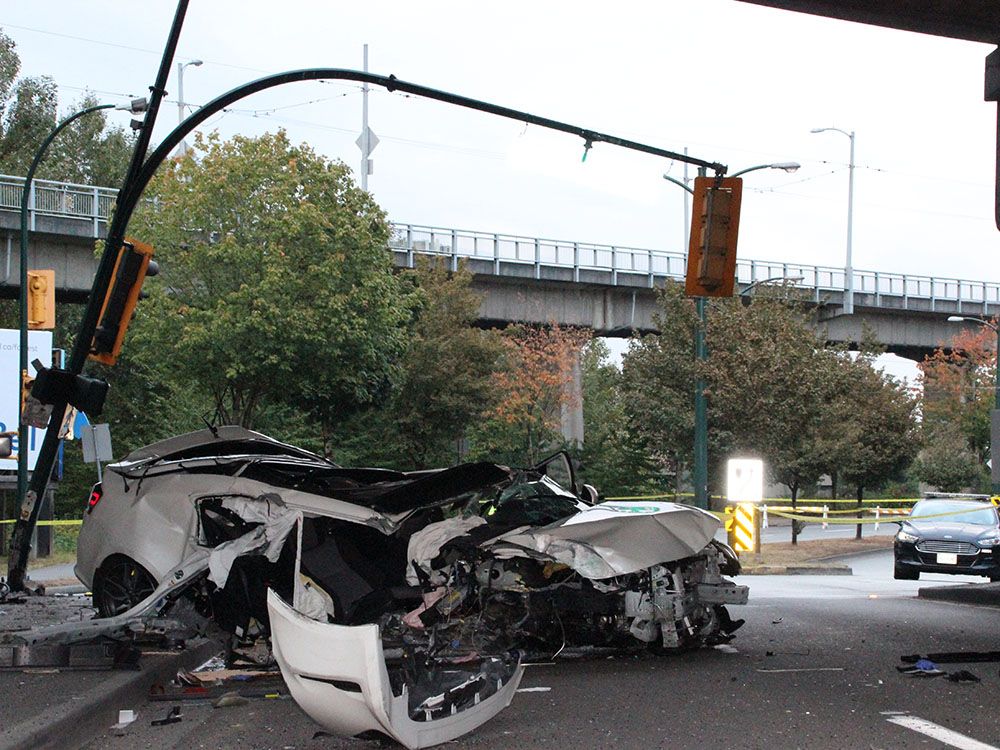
854 521
59 522
812 509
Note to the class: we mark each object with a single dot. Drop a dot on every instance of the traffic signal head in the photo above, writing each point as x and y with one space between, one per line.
715 223
134 264
53 385
41 300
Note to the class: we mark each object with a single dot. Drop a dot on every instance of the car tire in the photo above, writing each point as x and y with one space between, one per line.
119 584
904 574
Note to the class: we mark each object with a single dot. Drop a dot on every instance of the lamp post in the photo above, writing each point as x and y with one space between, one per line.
182 147
849 267
700 473
995 415
137 105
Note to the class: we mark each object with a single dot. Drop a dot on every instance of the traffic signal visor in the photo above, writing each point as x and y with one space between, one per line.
715 223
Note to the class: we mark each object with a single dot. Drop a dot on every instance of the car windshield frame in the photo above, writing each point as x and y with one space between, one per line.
974 514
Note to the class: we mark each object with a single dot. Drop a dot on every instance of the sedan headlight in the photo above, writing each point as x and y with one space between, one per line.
906 536
990 540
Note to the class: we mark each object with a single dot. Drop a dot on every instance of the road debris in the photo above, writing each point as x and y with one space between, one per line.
172 717
126 716
963 675
922 668
230 699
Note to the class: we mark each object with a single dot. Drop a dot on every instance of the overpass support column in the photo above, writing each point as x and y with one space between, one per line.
571 410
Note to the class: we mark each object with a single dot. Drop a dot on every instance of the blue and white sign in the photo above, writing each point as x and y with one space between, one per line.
39 347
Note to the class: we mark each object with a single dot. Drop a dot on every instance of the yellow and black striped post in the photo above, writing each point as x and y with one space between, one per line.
742 527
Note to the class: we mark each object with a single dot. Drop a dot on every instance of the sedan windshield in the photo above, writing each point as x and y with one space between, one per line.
976 514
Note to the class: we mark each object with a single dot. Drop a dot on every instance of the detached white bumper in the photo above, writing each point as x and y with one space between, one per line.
337 675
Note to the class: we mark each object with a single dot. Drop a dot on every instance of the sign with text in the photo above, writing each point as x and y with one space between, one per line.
39 347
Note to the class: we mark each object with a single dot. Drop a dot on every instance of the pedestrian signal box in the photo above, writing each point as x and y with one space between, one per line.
715 223
41 300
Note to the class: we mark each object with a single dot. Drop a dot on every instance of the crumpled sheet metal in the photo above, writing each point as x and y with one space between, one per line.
337 675
616 538
425 544
276 520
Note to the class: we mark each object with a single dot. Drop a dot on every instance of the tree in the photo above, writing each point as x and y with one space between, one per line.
443 381
611 458
88 151
946 462
532 385
877 435
767 386
658 376
958 387
276 289
27 111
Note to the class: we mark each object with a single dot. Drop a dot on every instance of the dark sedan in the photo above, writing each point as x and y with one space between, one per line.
960 537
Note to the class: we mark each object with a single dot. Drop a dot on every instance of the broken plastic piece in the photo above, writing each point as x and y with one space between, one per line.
172 717
963 675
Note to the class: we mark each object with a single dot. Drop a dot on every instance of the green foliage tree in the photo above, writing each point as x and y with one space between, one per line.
658 376
611 458
442 383
88 151
276 295
947 463
877 433
767 385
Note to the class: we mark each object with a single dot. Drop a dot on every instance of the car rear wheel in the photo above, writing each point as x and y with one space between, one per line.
905 574
119 584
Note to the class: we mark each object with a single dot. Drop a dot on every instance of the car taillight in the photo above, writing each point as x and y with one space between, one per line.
95 497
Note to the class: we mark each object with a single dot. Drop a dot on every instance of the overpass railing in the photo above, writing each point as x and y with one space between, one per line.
614 264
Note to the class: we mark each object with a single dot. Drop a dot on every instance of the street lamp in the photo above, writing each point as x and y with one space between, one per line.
701 354
849 268
182 147
995 416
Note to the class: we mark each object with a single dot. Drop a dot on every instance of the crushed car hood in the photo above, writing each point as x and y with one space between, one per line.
615 538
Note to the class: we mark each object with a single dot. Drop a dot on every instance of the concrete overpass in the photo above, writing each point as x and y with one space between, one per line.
611 289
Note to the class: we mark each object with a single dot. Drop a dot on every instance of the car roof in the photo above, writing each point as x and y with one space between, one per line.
215 441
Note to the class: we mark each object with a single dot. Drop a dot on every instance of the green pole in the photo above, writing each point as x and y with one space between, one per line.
22 429
700 411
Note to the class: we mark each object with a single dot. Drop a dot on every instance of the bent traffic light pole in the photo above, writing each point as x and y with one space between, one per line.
20 542
141 172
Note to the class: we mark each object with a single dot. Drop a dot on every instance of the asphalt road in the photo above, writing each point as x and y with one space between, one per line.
815 668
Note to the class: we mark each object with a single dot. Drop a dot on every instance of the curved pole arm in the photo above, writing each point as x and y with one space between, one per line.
678 183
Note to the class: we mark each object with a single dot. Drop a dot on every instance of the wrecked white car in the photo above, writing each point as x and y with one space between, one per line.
399 604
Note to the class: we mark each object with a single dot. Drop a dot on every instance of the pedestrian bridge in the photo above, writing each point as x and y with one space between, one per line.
609 288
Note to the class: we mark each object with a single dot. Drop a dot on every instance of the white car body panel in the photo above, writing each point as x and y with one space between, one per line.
615 538
312 655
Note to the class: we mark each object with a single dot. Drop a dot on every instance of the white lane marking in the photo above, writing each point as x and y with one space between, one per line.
939 733
802 669
534 690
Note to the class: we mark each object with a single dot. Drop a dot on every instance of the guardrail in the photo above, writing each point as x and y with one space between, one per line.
618 264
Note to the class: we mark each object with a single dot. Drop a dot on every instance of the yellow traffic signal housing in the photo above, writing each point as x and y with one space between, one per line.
715 223
41 300
135 262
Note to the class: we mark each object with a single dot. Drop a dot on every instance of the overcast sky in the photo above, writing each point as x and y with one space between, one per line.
734 83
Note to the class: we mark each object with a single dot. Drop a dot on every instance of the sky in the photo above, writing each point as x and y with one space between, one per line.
731 82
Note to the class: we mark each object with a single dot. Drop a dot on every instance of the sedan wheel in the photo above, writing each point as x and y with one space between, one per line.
119 584
905 574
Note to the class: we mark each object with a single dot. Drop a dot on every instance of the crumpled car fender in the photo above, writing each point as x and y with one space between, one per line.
337 675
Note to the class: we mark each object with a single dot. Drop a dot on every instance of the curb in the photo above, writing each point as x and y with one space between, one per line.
798 569
79 721
983 594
